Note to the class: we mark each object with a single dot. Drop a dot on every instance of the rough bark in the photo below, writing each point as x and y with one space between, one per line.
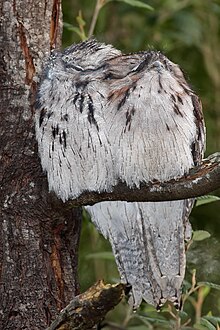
38 237
89 308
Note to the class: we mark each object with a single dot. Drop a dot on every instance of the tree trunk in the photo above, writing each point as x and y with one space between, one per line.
38 236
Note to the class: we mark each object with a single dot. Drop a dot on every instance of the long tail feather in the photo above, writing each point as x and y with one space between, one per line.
120 222
148 243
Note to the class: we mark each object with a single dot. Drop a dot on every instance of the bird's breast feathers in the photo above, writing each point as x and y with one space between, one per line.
124 118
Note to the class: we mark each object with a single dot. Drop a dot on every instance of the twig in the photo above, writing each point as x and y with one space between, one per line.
199 304
99 5
89 308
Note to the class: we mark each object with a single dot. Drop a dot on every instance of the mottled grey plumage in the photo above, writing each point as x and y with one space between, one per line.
104 117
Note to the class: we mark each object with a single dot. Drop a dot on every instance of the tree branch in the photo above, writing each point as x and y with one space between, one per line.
89 308
201 180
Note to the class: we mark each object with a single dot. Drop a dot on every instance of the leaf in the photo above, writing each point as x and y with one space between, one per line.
137 3
183 315
206 199
207 324
199 326
75 29
205 291
214 319
200 235
155 318
101 255
81 24
70 27
80 20
209 284
142 319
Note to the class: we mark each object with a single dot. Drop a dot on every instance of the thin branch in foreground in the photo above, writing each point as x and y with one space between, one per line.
201 180
99 5
89 308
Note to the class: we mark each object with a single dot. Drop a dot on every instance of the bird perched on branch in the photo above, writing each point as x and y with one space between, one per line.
104 117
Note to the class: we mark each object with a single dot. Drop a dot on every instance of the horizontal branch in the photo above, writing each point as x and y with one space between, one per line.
201 180
89 308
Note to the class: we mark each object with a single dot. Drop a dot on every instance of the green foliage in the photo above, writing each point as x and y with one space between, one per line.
188 32
206 199
135 3
80 31
210 285
200 235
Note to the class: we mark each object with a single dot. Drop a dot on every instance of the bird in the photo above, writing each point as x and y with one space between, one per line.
104 117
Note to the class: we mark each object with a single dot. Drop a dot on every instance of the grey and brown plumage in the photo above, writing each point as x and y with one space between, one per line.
104 117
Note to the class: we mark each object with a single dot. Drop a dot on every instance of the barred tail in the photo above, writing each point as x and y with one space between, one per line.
147 240
120 223
166 228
